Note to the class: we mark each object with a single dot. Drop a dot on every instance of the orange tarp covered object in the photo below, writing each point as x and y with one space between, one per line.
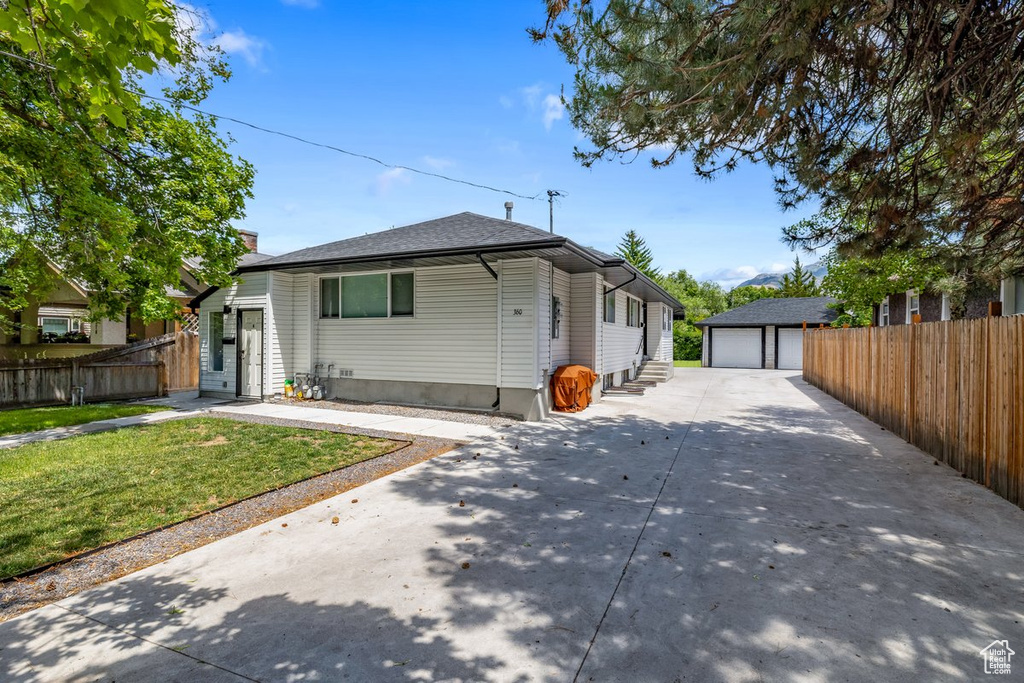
570 387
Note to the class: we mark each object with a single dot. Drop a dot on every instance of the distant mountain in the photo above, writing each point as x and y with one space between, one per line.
775 279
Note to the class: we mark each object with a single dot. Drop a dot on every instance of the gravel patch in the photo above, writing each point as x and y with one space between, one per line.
18 595
451 415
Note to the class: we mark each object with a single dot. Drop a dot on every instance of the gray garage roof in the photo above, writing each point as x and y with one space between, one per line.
792 311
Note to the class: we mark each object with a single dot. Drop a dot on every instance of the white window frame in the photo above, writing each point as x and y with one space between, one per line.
947 311
911 310
630 301
55 318
883 313
665 320
604 315
389 316
209 327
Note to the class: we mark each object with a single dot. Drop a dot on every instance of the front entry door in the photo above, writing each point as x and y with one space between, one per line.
250 354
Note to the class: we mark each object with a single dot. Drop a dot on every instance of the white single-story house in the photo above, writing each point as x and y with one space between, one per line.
462 311
767 333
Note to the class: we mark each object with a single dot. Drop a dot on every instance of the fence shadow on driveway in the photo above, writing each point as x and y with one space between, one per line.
791 543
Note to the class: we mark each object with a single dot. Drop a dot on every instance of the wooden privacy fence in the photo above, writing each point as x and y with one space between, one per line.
144 369
954 389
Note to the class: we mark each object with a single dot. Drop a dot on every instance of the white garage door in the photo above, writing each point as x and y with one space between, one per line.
738 347
791 350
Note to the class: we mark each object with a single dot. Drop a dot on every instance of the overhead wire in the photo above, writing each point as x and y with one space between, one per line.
305 141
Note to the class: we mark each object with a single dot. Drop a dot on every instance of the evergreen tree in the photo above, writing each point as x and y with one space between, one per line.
800 282
634 249
903 117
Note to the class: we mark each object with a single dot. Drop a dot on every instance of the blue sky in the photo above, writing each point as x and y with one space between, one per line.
456 88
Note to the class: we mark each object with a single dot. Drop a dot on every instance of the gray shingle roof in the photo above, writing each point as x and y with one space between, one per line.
793 311
458 232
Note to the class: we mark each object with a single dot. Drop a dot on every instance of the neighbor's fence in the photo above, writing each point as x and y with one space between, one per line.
954 389
144 369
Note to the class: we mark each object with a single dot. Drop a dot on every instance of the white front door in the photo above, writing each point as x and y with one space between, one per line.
736 347
250 354
791 350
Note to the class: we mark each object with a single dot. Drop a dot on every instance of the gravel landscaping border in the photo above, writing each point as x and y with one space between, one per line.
91 568
465 416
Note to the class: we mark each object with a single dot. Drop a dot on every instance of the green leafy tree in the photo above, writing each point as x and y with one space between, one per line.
860 283
741 296
634 249
112 188
701 299
799 282
906 118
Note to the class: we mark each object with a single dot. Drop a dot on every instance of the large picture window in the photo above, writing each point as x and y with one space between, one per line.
378 295
217 342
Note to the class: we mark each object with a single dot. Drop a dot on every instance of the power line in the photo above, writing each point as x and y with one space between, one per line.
333 148
304 141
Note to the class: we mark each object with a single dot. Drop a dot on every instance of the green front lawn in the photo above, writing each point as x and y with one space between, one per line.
21 420
687 363
59 498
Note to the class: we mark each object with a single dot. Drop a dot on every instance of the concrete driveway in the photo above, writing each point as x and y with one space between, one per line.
728 526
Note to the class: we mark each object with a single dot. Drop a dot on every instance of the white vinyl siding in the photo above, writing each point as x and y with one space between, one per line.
561 348
543 317
301 326
451 338
586 306
659 331
519 331
281 343
619 344
249 294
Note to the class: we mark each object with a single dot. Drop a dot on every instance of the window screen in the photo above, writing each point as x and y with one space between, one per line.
55 325
403 293
217 342
329 301
364 296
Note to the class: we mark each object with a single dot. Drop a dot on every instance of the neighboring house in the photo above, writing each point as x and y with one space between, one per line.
900 308
59 325
466 311
767 333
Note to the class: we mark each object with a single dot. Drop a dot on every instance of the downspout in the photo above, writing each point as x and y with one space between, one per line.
497 390
486 265
609 291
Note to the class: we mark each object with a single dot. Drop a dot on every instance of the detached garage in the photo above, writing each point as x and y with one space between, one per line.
767 333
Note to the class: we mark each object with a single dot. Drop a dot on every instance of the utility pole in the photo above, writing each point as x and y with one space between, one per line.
551 209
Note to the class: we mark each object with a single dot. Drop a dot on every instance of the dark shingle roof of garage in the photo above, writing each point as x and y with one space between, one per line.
793 311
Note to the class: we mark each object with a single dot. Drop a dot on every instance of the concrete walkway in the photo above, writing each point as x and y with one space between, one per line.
398 424
728 526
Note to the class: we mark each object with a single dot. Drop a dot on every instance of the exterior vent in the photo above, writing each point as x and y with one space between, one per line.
345 373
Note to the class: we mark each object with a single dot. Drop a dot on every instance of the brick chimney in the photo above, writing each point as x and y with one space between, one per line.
250 238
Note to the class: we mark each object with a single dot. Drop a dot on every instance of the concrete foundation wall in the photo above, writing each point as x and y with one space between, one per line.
530 404
415 393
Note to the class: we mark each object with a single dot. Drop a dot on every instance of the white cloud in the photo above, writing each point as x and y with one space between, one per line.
538 101
389 179
553 110
241 43
438 163
308 4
